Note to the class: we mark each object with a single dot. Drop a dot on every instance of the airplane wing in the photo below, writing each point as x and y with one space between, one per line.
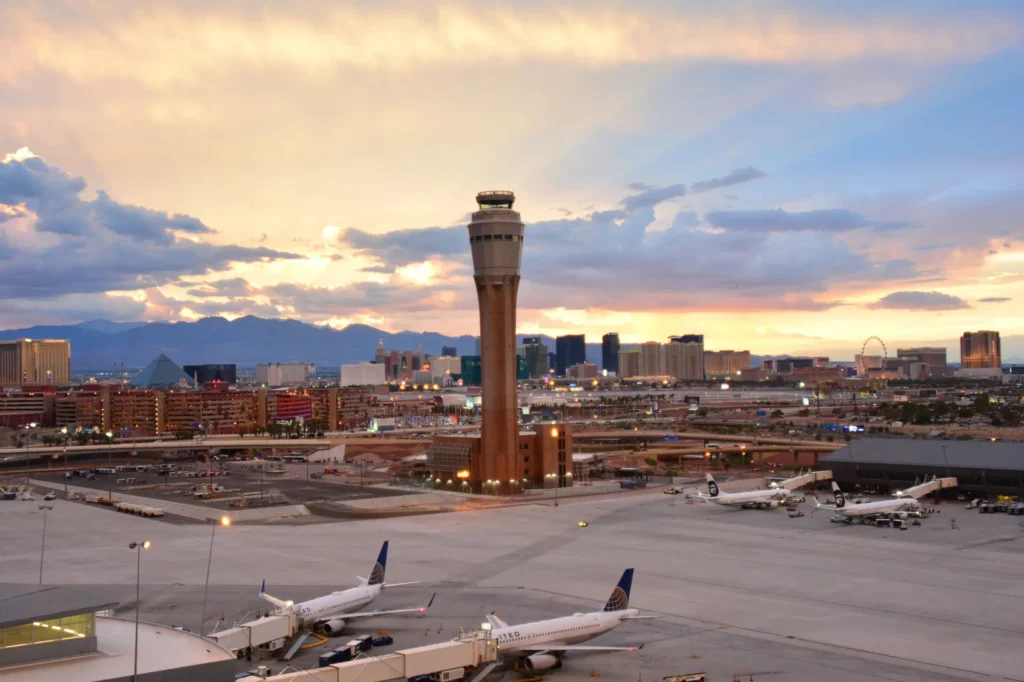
819 505
558 648
387 585
495 621
389 612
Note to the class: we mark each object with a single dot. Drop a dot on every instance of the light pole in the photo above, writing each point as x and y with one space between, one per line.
138 546
64 431
223 521
42 546
110 464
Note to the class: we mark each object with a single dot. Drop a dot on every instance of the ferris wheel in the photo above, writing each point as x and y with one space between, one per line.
870 339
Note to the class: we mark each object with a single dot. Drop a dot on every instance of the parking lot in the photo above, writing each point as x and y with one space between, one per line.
225 489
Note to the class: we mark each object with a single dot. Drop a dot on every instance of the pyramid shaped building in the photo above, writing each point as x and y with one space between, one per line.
161 373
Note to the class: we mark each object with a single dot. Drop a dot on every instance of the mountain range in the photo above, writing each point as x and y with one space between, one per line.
98 345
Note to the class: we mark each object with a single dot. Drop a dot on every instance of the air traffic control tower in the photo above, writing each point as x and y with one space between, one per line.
496 240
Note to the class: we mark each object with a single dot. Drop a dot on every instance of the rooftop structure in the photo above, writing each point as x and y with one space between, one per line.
55 633
895 463
161 373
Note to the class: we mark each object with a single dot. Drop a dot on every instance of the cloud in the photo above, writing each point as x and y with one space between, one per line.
162 45
69 307
733 178
141 223
994 299
686 219
64 244
779 220
227 288
649 198
362 297
616 253
920 300
402 247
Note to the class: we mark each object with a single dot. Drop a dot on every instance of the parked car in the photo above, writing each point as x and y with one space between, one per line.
50 496
671 491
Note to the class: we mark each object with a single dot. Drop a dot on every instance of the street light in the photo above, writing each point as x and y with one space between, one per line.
110 465
42 546
222 521
138 546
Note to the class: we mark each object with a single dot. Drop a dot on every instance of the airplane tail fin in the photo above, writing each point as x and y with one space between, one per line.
619 600
712 486
838 496
279 603
377 574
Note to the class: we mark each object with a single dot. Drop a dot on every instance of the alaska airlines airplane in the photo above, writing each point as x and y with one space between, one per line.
751 499
904 504
541 644
328 614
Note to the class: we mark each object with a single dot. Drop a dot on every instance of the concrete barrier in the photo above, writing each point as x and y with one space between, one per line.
191 511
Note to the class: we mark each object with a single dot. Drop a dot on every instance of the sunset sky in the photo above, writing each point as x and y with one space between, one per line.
781 177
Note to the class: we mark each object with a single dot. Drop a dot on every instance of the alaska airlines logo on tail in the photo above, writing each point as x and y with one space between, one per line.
840 499
376 575
619 601
713 488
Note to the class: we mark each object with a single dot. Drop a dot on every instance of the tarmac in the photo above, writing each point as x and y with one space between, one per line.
739 592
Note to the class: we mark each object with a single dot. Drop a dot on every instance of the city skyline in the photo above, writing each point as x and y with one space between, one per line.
789 180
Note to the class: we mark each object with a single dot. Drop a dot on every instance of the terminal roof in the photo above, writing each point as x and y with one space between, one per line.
964 454
21 604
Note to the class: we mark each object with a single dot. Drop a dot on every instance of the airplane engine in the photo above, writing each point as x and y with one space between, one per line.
900 515
332 628
539 662
773 504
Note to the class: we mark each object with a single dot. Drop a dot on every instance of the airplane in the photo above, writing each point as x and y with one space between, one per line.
328 614
540 645
750 499
900 507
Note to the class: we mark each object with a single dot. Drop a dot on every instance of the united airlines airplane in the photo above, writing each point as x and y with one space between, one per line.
328 614
540 645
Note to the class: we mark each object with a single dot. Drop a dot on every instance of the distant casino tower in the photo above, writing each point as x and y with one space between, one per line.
496 240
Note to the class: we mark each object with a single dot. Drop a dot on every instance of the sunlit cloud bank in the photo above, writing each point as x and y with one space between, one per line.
164 43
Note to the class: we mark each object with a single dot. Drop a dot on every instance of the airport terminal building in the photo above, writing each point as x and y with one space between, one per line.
63 633
885 465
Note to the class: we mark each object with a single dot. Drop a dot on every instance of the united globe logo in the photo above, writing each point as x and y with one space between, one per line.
377 575
618 601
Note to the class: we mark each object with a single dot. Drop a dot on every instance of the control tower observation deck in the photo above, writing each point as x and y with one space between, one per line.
496 235
496 241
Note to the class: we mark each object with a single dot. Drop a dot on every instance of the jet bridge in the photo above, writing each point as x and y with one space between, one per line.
468 652
928 487
806 479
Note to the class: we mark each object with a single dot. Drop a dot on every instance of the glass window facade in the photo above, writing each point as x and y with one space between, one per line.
78 626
